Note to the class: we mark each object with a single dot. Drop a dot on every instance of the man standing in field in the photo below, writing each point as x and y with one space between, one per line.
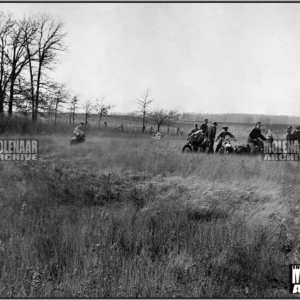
204 126
211 134
221 137
289 135
254 138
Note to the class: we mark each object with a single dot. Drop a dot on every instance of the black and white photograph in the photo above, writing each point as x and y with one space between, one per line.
149 149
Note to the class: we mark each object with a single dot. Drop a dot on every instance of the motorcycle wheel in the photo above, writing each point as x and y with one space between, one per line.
187 149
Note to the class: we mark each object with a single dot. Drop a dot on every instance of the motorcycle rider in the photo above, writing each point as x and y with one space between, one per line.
221 137
78 132
194 129
254 138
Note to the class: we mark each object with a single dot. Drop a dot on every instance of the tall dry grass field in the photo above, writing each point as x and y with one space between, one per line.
124 215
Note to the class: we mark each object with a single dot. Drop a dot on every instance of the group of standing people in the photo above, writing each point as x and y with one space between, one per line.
255 136
210 133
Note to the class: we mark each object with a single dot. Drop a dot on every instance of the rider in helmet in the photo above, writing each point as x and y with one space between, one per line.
255 137
221 137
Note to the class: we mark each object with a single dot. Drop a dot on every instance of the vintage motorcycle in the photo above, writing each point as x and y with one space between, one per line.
246 149
196 143
227 147
77 139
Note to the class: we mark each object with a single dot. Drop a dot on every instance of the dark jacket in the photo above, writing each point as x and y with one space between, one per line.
254 134
223 134
203 127
289 136
296 134
211 132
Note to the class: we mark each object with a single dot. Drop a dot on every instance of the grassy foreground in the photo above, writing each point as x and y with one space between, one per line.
127 216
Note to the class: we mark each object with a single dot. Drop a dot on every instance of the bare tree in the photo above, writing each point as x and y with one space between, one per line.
50 108
102 109
143 102
160 117
17 58
47 104
22 95
88 108
30 27
42 51
73 107
60 95
6 24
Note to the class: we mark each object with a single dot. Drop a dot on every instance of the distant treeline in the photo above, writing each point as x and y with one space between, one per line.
242 118
235 118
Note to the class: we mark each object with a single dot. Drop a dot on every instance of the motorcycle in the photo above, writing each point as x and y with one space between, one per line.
227 147
77 139
157 135
246 149
196 143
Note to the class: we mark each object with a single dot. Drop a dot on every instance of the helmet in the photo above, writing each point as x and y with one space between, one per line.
215 123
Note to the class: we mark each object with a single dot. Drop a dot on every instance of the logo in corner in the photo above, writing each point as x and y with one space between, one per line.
282 150
295 279
18 149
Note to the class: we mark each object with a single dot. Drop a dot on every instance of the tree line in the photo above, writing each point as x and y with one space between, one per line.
29 49
240 118
102 108
231 117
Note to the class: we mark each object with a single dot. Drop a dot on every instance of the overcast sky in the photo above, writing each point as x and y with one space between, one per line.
209 57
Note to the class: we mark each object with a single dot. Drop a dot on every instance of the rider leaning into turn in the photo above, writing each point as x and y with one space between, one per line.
222 136
254 138
79 133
